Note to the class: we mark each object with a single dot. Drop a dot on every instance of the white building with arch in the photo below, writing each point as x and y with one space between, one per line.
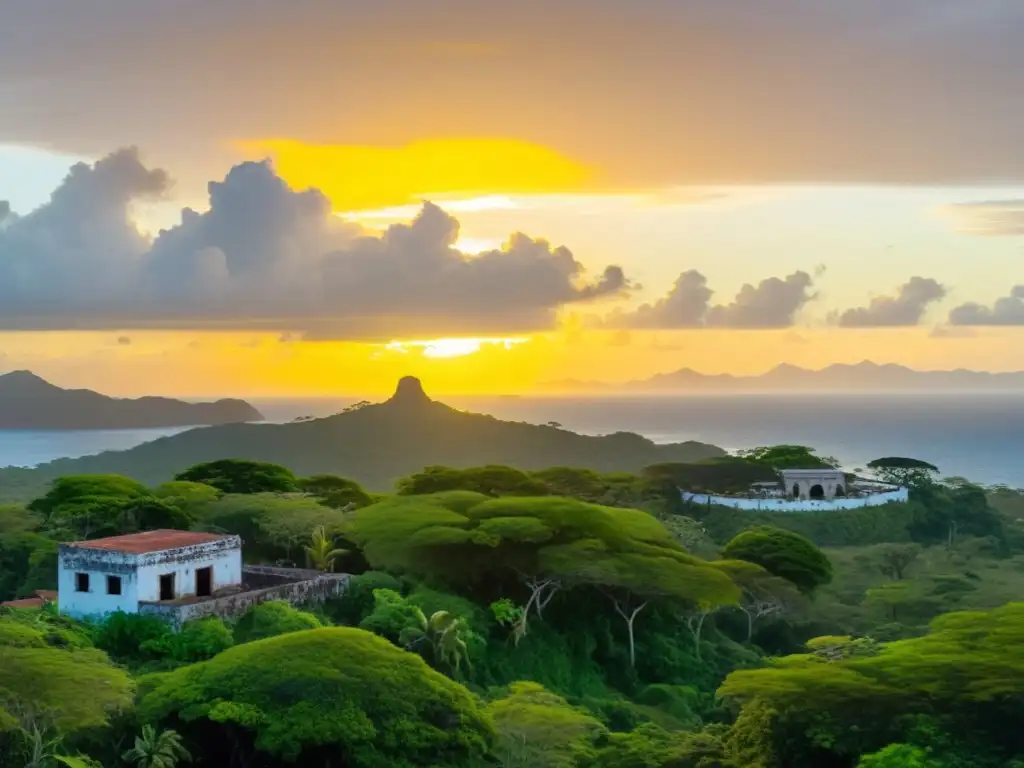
814 483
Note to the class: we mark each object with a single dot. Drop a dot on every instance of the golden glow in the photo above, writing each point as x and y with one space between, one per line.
262 365
359 178
441 348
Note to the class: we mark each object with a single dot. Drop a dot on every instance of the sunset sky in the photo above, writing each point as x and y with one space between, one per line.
616 189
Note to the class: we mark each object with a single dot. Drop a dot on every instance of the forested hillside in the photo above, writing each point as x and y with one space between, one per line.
374 444
560 617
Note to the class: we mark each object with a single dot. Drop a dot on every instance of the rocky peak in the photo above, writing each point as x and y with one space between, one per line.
409 392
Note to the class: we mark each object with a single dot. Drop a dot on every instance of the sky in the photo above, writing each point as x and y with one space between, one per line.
313 198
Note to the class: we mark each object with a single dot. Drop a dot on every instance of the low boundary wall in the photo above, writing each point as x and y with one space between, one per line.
898 496
296 586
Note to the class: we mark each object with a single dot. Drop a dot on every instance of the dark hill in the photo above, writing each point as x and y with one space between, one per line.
29 402
377 444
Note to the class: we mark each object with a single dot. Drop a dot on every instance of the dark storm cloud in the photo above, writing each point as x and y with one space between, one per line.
772 303
1008 310
266 256
780 90
905 308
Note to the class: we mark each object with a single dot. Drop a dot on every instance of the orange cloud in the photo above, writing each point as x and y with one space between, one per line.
358 178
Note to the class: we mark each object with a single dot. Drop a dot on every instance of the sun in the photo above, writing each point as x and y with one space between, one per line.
453 347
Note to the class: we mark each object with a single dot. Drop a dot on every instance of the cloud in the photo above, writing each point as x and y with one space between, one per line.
791 90
265 256
1008 310
684 306
772 303
992 218
906 308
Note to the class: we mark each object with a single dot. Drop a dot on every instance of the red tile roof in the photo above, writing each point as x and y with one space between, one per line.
150 541
28 602
42 597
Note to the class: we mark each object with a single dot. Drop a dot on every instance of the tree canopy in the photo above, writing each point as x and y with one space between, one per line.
465 537
334 491
51 678
789 457
241 476
861 689
341 694
900 470
783 553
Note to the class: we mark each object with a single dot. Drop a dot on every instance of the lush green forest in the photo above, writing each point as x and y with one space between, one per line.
562 618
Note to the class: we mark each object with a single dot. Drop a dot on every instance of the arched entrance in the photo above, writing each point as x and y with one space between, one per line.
817 492
796 491
840 491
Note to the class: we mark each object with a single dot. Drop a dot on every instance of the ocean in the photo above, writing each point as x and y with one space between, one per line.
978 436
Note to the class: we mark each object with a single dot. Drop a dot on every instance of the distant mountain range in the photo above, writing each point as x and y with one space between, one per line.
30 402
375 444
861 377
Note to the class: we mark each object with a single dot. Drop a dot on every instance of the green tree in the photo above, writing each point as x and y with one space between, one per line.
157 749
539 729
899 756
242 476
789 457
185 495
197 640
491 480
49 685
321 552
857 696
445 635
339 693
651 746
392 614
334 491
763 594
784 554
132 638
273 526
80 489
545 544
900 470
273 618
895 559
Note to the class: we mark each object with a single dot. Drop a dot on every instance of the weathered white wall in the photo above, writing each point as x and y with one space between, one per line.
227 571
798 505
96 601
140 575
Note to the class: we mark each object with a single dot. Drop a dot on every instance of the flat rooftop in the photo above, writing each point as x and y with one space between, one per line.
150 541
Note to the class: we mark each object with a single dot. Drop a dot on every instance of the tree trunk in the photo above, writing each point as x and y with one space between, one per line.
630 618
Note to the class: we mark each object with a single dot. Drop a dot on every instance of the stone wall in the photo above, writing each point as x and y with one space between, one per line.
898 496
297 592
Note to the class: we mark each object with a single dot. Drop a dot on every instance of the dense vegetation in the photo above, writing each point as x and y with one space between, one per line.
558 617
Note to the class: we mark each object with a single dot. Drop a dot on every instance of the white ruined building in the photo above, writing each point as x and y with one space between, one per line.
178 576
123 572
813 483
807 490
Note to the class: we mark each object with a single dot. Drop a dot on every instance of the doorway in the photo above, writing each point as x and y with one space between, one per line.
204 581
167 586
817 492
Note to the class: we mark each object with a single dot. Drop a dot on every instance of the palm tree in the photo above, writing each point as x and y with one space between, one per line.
447 636
321 551
157 750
